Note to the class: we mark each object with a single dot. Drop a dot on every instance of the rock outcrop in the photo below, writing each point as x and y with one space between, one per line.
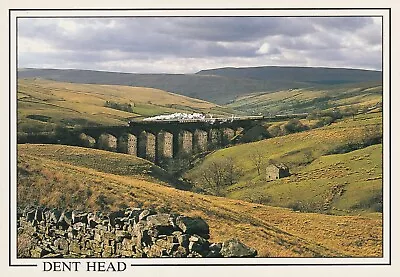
130 233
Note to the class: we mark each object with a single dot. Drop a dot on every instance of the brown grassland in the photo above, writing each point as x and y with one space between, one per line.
60 176
54 103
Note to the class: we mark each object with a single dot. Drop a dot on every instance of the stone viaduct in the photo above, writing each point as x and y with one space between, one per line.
160 140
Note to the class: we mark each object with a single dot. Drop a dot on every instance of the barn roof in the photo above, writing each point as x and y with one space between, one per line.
280 166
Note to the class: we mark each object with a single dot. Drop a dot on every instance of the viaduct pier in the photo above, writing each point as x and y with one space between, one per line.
160 140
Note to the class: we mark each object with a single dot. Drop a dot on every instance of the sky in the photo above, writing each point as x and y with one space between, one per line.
190 44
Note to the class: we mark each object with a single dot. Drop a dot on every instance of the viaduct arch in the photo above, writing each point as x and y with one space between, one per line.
157 141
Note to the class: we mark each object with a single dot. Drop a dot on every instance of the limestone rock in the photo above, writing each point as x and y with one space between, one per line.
93 219
234 248
114 217
65 220
145 213
79 217
193 226
52 216
162 222
128 233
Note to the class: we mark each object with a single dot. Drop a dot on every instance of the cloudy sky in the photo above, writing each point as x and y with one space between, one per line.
187 45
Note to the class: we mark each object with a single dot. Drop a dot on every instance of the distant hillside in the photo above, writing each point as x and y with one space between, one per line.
216 89
219 86
311 75
300 100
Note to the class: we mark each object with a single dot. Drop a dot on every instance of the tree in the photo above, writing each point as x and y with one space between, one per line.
294 125
221 173
350 111
275 131
258 161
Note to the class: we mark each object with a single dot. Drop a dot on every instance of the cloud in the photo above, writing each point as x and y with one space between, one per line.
188 44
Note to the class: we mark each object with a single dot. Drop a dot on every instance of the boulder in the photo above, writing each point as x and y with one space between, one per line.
115 217
180 252
52 216
79 217
199 245
93 219
62 246
215 249
30 214
234 248
145 213
65 220
39 214
133 214
162 222
193 226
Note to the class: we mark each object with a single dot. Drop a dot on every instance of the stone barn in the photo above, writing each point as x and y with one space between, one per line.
276 171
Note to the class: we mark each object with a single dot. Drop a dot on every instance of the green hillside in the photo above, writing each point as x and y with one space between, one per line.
327 175
340 184
43 105
302 100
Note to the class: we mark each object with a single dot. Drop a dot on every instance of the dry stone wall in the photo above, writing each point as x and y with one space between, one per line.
127 233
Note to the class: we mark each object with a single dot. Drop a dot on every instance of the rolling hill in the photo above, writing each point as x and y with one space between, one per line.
65 176
216 89
330 205
219 86
328 176
44 104
301 100
309 75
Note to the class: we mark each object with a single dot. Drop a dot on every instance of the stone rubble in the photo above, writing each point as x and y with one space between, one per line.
123 234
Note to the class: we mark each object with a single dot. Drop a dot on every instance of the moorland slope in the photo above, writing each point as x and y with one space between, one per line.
44 104
55 181
221 85
333 169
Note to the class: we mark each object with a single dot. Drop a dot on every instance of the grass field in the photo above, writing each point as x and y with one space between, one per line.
65 176
108 162
308 99
43 104
347 182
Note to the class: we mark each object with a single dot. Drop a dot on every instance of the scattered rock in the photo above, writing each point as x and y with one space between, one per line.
234 248
161 222
193 226
145 213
